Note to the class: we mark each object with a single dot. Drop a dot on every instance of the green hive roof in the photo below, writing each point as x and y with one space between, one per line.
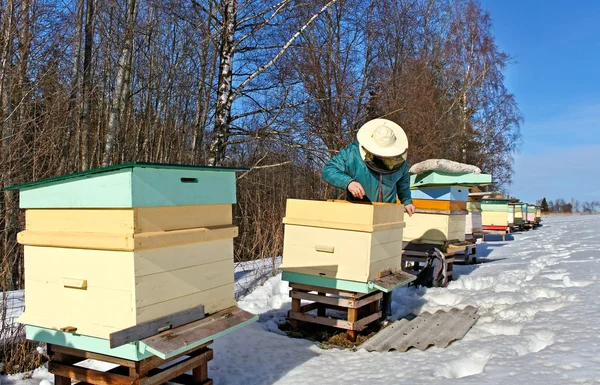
108 169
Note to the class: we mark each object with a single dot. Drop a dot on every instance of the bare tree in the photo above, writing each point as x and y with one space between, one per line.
121 91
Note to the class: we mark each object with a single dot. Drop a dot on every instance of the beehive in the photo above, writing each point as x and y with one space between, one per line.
538 214
518 212
342 240
531 210
511 215
473 219
436 228
494 213
111 248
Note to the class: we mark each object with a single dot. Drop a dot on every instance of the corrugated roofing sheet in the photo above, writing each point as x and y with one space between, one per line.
438 329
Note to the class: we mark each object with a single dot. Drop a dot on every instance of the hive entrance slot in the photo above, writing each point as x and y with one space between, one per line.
189 180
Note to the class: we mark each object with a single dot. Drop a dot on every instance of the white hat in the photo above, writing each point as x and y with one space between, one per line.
383 137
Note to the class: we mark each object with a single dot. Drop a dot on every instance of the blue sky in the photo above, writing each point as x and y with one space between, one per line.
555 76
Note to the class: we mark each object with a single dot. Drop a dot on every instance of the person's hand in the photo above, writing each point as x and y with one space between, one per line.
356 189
410 209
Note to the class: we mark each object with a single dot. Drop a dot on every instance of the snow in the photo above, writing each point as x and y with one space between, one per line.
537 297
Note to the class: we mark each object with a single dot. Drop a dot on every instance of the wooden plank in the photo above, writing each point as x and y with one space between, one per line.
342 225
352 318
344 302
330 283
394 280
155 261
370 299
300 286
305 308
341 324
86 310
91 355
96 241
367 320
87 375
118 221
97 267
159 239
150 328
345 213
177 369
214 300
87 343
172 342
124 241
167 218
156 288
147 365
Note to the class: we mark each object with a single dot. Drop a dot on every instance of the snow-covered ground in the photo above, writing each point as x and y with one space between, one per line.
539 304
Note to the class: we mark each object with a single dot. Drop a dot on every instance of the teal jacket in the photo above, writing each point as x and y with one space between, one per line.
348 166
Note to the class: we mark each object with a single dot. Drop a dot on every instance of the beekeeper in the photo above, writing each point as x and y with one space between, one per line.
374 169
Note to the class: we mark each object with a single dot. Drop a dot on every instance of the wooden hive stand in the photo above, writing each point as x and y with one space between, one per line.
468 255
141 354
416 253
63 362
496 230
361 308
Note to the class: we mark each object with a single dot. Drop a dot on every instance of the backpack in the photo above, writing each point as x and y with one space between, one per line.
435 272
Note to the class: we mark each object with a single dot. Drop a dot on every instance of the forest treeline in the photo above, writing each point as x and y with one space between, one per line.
560 206
278 86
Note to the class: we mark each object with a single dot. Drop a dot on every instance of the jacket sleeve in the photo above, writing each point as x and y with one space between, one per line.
334 171
403 186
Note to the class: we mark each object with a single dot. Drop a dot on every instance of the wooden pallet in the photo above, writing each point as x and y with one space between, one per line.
495 232
468 256
128 372
362 309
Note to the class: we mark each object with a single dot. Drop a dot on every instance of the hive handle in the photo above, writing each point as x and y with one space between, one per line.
325 248
75 283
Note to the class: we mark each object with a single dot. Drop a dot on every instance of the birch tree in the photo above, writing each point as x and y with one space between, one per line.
227 92
121 90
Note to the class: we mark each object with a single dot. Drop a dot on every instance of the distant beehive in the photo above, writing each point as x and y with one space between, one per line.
441 202
342 240
111 248
511 215
531 213
519 218
494 214
473 219
440 217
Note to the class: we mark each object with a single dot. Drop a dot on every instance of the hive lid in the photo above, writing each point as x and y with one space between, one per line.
175 341
110 169
440 178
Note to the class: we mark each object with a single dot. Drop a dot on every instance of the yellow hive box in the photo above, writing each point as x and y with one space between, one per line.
494 218
127 229
104 270
338 239
435 228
